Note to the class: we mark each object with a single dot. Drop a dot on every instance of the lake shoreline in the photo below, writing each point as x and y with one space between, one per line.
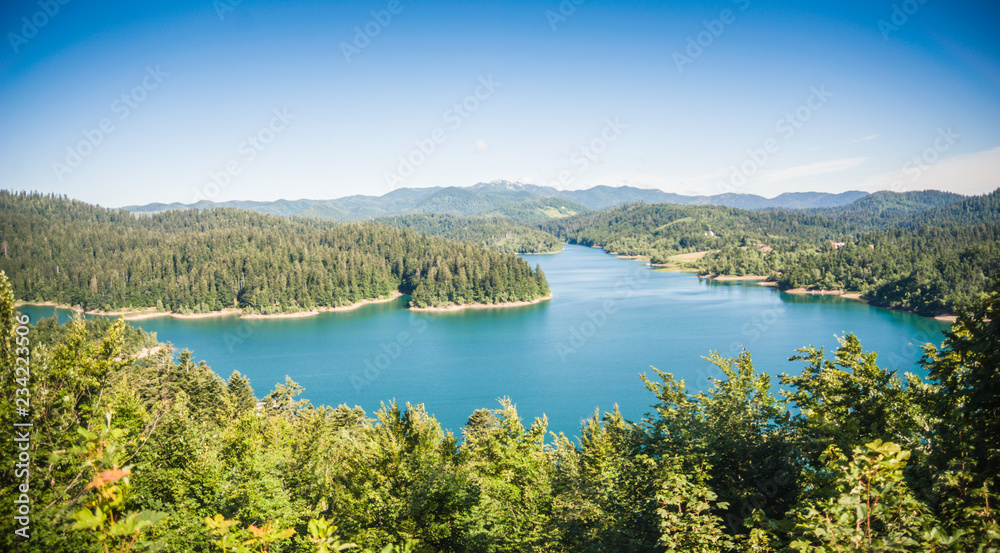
453 308
855 296
148 313
18 303
151 312
560 250
817 292
313 312
733 278
672 268
762 281
680 261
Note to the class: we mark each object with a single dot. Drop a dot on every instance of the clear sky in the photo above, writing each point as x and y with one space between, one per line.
133 102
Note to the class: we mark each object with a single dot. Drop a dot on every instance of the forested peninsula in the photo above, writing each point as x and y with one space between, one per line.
68 252
925 252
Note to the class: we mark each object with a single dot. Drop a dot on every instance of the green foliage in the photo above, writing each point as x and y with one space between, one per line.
869 507
323 535
966 456
685 511
190 261
48 330
104 517
241 396
281 400
9 342
495 233
603 488
850 401
748 443
884 204
169 456
253 540
737 433
511 469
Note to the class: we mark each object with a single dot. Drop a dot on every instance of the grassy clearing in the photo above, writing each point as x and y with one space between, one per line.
688 257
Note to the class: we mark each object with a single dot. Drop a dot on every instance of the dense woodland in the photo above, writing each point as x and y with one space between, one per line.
160 453
927 252
928 271
495 233
55 249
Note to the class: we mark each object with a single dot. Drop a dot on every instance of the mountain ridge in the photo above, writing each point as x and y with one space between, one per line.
489 197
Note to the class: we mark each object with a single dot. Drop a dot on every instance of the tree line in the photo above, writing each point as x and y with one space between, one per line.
154 452
55 249
930 271
927 252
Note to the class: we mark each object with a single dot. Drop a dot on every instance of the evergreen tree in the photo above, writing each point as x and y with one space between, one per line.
241 393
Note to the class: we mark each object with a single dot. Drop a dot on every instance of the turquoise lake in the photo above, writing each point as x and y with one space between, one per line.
608 321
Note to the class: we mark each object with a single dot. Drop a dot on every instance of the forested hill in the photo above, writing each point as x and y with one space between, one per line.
901 202
925 252
495 233
60 250
669 228
882 210
508 199
966 211
660 230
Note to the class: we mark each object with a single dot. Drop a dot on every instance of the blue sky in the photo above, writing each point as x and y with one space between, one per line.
122 102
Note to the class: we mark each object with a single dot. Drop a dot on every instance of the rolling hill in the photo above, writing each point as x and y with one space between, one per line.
504 199
495 233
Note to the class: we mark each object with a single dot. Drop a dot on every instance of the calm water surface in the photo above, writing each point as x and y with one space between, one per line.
609 320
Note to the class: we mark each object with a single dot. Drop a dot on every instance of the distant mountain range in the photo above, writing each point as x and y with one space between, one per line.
522 202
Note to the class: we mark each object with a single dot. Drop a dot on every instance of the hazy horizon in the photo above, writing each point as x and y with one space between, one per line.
298 199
